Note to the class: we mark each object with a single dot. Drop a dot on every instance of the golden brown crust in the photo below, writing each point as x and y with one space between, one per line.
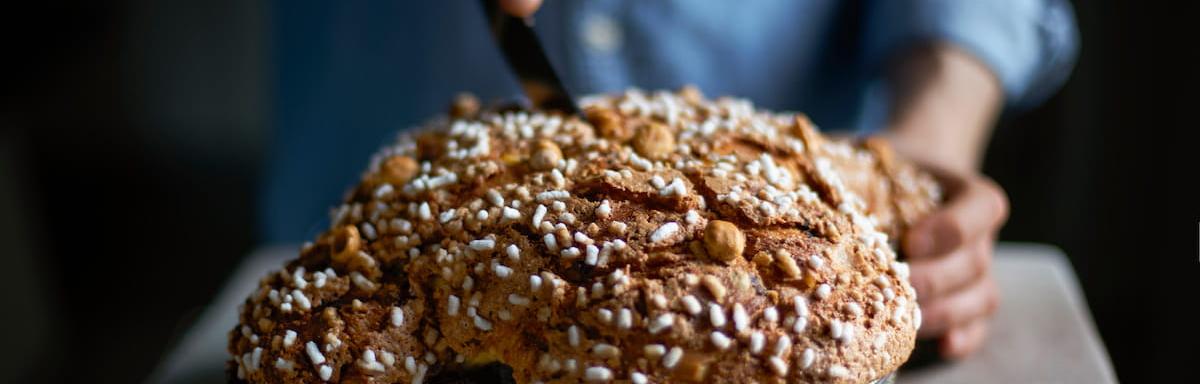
722 244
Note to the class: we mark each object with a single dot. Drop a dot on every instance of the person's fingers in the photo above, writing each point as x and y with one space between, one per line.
520 8
939 277
977 207
976 301
962 341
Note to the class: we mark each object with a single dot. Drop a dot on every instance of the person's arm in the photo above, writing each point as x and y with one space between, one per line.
959 63
944 104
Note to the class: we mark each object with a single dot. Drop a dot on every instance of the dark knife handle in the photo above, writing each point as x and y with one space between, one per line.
524 54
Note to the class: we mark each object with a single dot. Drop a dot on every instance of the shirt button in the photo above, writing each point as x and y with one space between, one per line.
601 33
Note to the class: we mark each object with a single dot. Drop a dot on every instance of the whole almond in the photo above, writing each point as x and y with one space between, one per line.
723 240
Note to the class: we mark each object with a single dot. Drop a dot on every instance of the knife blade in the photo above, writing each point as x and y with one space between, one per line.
525 56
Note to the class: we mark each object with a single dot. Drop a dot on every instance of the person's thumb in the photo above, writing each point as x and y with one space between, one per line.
977 207
520 8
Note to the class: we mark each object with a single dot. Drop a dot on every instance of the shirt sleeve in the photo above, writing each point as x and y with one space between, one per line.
1030 45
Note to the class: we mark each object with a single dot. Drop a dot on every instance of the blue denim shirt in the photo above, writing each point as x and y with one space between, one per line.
348 75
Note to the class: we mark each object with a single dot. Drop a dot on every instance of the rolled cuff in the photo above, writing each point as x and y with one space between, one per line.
1030 45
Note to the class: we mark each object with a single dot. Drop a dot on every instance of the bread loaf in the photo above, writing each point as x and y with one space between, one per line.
664 237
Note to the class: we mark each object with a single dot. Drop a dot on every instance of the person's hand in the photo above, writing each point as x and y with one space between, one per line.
520 8
950 255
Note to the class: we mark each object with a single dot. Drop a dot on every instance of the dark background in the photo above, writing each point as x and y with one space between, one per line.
132 135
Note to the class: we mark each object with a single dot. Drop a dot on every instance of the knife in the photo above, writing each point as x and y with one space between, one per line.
525 56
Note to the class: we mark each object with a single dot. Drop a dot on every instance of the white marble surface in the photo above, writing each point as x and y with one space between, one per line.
1042 333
